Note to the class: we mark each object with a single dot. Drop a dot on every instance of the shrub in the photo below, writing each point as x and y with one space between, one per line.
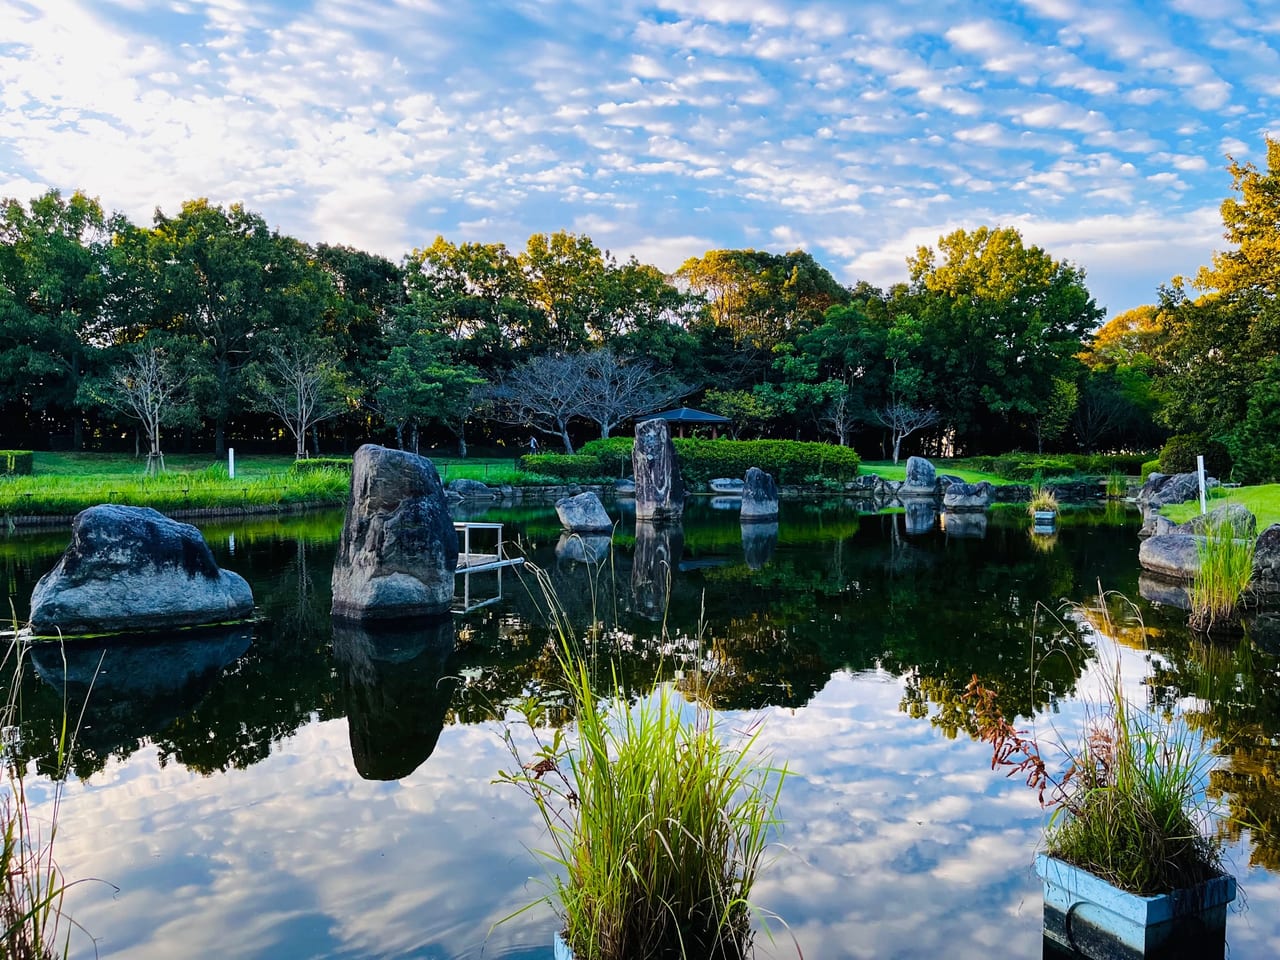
16 463
789 461
577 467
614 454
1180 452
300 467
1148 468
1021 466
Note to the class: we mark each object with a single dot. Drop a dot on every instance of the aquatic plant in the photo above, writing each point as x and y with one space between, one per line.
1222 580
1128 798
657 820
1117 485
1042 499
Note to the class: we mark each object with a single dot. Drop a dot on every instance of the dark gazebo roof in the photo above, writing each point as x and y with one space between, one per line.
686 415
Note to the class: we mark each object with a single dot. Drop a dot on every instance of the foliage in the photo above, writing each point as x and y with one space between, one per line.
1148 467
658 821
1222 580
1024 466
614 454
1180 452
582 467
789 461
1263 501
1042 499
315 464
16 463
1128 803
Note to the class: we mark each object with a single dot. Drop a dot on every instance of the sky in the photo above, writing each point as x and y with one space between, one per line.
858 131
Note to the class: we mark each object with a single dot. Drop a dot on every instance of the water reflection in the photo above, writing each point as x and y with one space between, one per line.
922 515
397 684
759 540
657 558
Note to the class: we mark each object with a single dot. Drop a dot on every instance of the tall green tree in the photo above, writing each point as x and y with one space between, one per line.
1002 320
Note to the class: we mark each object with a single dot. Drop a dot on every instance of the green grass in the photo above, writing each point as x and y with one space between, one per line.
656 819
1226 567
1263 501
891 471
74 482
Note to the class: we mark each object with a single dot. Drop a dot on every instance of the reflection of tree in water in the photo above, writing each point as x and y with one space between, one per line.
1236 691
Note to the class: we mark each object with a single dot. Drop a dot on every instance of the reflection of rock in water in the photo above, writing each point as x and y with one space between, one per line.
658 550
583 547
397 689
137 686
758 543
922 516
1157 589
972 526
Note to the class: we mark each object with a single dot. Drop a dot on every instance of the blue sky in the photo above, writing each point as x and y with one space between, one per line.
661 128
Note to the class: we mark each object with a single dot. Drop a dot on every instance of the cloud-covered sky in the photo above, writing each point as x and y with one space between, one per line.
661 128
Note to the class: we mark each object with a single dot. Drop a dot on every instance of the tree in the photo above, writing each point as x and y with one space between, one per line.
1000 320
299 383
748 411
902 419
618 390
421 381
56 274
545 394
1055 411
148 388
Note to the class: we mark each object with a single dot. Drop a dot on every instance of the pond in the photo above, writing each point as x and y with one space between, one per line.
289 791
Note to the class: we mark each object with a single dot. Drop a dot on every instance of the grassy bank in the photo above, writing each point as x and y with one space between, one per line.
1263 501
898 471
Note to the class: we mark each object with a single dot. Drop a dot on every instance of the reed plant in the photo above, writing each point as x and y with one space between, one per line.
1222 580
1117 486
31 885
657 820
1128 797
1042 499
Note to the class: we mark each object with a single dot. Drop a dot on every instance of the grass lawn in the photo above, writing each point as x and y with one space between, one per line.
1263 500
891 471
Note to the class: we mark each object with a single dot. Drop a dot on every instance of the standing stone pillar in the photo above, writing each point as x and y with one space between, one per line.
659 489
399 553
759 497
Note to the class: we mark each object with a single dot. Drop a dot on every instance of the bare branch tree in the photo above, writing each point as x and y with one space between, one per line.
146 388
300 384
841 414
545 394
621 389
903 420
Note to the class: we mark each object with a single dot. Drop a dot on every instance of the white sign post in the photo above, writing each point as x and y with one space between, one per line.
231 462
1200 474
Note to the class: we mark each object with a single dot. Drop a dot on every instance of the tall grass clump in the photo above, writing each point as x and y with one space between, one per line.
31 885
1042 499
1128 797
1222 581
657 820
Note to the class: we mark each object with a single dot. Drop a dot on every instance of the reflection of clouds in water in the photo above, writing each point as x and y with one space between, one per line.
299 857
898 843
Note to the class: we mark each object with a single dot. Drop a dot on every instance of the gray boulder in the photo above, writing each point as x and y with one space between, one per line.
1266 560
1235 517
726 485
399 552
472 489
624 488
583 514
132 568
659 489
922 478
968 496
1172 555
759 497
1162 489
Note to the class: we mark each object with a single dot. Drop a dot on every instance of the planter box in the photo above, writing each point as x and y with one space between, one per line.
562 951
1098 920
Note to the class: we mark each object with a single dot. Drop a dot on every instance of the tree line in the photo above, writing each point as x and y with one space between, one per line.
208 326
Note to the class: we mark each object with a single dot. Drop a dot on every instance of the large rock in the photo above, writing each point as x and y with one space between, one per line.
398 553
1266 560
659 489
922 478
1235 517
583 514
968 496
759 497
1162 489
472 489
133 569
1173 555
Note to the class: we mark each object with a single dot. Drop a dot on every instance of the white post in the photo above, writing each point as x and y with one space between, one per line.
1200 474
231 462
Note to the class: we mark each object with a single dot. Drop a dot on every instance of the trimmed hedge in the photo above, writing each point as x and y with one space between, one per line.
1024 466
299 467
789 461
1180 452
1148 468
16 463
579 467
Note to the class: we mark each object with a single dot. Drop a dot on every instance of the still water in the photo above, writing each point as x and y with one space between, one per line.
299 791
